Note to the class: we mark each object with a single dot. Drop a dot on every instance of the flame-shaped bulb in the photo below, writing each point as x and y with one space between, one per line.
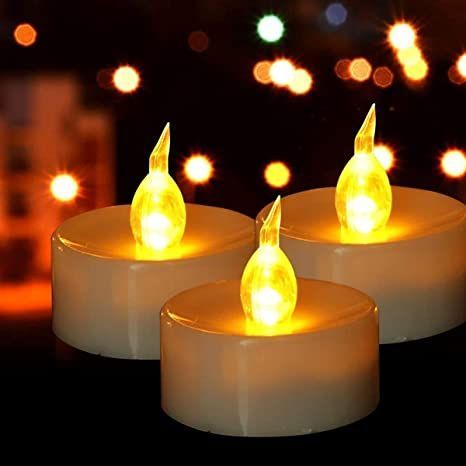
158 212
268 285
363 197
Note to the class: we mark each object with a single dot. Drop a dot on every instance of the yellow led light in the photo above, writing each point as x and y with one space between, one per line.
158 212
269 288
363 199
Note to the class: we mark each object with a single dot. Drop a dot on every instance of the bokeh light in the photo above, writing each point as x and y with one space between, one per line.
418 71
336 14
198 41
385 156
64 187
461 65
342 69
360 69
402 35
261 72
453 163
454 76
198 168
104 78
383 77
301 82
25 34
409 56
270 28
277 174
126 79
282 72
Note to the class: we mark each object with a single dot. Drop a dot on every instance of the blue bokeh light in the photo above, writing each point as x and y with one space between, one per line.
336 14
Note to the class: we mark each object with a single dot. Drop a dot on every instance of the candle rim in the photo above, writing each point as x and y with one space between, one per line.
299 235
239 239
359 310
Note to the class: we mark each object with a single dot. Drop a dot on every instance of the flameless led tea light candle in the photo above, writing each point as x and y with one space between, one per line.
272 355
114 268
404 247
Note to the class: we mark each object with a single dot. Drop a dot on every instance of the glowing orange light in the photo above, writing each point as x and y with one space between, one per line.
25 34
282 72
402 35
385 156
342 69
383 77
261 72
126 79
198 41
64 187
453 163
198 168
360 69
418 71
454 75
277 174
461 65
301 82
409 56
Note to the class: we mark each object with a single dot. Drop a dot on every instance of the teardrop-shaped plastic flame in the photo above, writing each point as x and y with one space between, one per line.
158 212
268 285
363 197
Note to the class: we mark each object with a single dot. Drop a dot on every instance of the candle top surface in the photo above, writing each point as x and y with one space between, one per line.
107 233
216 308
311 216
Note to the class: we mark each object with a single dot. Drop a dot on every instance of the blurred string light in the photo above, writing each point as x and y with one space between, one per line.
461 65
385 156
336 14
454 75
277 174
301 82
342 69
25 34
402 36
198 41
126 79
64 187
360 69
270 28
453 163
383 77
261 72
104 78
282 72
198 168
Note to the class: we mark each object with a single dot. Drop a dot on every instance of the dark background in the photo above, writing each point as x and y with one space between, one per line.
215 106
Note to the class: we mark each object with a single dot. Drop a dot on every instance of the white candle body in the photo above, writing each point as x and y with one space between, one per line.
416 275
107 302
217 378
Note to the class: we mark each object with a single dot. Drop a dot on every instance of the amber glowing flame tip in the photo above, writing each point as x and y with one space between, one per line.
363 198
268 285
158 212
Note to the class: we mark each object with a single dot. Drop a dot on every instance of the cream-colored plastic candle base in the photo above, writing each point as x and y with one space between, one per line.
415 271
322 374
107 301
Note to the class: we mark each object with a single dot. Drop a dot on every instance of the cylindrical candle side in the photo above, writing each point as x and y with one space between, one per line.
107 302
322 377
